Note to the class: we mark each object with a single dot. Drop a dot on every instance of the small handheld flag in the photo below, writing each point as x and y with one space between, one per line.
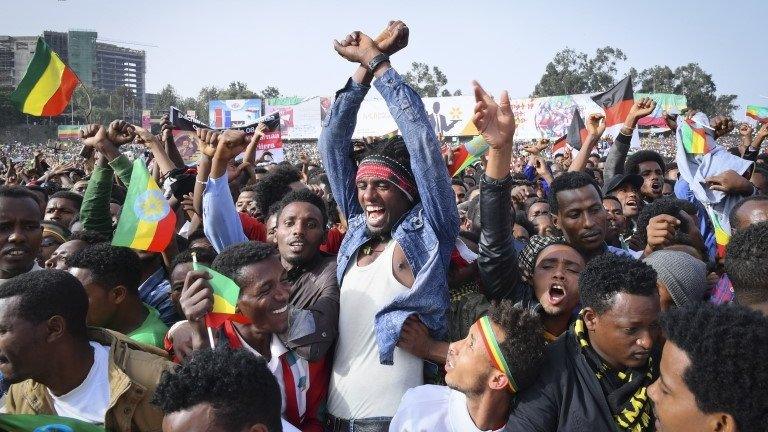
760 114
44 423
467 154
147 221
695 139
47 86
225 294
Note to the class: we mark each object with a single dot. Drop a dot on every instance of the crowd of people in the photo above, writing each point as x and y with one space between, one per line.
585 291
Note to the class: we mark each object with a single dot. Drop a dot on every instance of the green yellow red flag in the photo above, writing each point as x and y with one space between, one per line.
225 294
147 221
47 86
44 423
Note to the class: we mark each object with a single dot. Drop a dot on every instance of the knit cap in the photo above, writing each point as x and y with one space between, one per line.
684 275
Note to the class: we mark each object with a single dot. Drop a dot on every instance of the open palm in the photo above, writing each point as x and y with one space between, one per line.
495 121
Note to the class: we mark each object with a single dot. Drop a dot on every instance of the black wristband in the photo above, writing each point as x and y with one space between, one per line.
377 61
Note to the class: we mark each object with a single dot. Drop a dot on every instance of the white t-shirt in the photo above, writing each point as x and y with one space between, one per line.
431 408
362 387
88 401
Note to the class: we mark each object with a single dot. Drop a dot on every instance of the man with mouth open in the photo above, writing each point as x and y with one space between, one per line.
595 377
500 357
403 223
263 301
20 232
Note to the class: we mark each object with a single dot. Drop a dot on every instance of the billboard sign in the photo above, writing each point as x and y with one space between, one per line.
229 113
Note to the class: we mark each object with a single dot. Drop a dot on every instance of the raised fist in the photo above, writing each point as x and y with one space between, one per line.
120 132
93 135
230 144
642 107
357 47
393 38
207 140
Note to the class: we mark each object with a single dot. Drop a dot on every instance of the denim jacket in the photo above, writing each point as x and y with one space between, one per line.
426 233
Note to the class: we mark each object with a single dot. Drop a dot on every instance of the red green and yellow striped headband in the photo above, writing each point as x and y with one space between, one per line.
494 351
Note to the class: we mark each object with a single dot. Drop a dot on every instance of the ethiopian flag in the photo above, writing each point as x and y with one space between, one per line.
694 137
758 113
225 294
44 423
467 154
47 86
147 221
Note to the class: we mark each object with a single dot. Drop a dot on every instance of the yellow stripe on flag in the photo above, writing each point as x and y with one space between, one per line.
45 87
145 232
220 305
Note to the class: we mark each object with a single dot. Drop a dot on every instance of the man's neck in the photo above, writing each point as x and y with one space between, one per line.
129 317
149 269
490 409
556 324
69 368
9 273
256 339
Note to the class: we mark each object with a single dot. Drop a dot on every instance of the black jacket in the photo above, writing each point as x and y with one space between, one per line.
566 397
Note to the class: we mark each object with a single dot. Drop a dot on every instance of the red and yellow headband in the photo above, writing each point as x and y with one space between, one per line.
494 351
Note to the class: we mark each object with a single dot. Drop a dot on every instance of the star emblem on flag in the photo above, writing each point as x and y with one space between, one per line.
151 206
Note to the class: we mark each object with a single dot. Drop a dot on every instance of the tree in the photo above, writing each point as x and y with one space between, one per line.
692 81
206 95
166 98
270 92
428 81
237 90
9 114
574 72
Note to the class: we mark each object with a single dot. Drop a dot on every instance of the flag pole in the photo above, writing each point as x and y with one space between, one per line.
210 331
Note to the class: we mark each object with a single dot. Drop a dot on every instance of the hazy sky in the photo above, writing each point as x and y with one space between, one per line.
503 44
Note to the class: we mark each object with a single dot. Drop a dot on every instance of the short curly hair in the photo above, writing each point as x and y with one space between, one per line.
668 206
46 293
746 262
569 181
306 196
90 237
272 188
68 195
110 266
233 259
524 342
607 275
727 347
632 165
237 385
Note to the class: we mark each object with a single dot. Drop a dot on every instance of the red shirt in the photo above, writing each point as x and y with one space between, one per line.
253 228
332 241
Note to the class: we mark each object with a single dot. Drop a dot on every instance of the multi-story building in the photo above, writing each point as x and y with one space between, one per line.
101 65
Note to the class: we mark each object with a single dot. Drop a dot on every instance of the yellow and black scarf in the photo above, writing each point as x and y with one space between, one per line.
625 391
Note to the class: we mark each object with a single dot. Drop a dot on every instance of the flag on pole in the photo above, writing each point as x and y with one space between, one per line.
577 131
617 102
467 154
225 294
559 146
44 423
147 221
47 86
758 113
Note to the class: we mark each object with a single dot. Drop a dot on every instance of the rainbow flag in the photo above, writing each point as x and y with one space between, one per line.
695 138
44 423
467 154
147 221
721 235
225 294
47 86
758 113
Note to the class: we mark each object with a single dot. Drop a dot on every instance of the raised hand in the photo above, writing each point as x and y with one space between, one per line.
206 141
393 38
144 136
357 47
93 135
722 125
762 133
496 122
166 130
595 125
231 143
730 182
641 108
537 148
661 231
197 295
120 132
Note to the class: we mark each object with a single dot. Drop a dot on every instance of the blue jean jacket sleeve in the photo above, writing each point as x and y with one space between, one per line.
335 144
432 178
220 221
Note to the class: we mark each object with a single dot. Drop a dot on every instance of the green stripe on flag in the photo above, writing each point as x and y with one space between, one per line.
686 133
44 423
129 222
223 287
35 70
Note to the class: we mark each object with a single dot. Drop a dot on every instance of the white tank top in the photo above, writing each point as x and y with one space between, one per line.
361 387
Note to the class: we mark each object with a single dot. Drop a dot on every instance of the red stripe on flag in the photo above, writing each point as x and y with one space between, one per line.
163 233
60 99
616 114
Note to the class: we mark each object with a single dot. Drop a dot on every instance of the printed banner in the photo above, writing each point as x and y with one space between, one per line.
670 103
270 147
224 114
187 144
68 132
450 115
146 119
299 118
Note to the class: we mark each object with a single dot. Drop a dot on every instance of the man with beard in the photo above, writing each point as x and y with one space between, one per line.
595 376
617 223
650 166
403 223
21 233
500 357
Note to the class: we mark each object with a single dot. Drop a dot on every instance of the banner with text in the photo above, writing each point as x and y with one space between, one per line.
299 118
